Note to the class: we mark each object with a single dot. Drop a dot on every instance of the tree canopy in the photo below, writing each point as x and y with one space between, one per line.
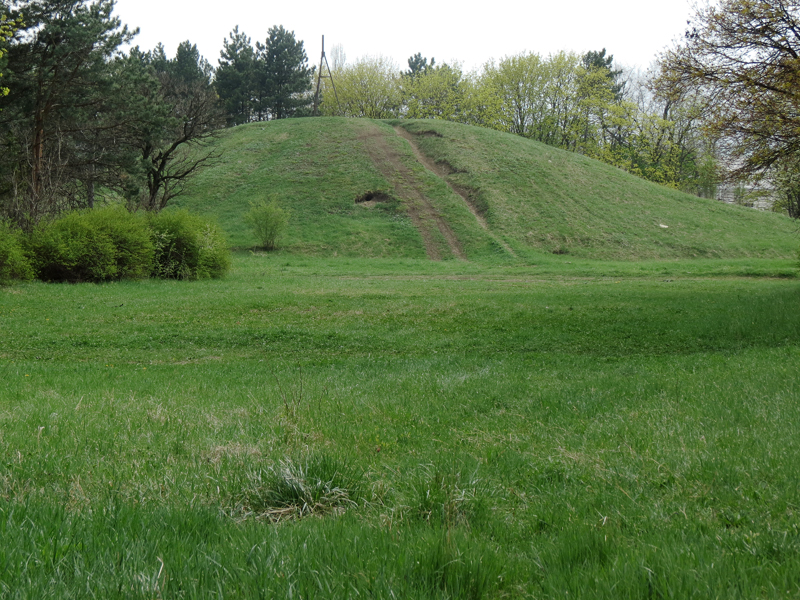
85 116
743 56
235 77
283 77
270 81
7 29
64 103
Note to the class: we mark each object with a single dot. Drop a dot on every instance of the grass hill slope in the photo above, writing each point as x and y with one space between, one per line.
358 187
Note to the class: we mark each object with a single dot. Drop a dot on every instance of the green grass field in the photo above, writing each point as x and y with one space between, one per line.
403 428
479 368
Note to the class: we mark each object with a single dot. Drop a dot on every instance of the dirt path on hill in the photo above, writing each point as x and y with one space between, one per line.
423 215
443 171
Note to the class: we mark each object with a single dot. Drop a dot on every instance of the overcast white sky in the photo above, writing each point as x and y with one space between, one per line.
634 31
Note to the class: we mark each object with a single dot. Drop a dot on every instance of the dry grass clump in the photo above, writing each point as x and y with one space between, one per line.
318 485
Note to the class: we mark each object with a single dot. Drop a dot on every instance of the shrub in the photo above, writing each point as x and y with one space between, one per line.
93 245
14 263
268 221
133 246
187 246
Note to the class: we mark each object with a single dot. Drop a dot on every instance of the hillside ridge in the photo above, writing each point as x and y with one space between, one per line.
441 190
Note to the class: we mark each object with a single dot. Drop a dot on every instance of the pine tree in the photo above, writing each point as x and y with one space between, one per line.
65 105
283 77
234 78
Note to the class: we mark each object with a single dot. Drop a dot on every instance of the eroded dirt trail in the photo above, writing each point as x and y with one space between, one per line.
442 172
423 215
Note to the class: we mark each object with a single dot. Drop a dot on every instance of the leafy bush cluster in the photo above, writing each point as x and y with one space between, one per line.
268 221
96 245
187 247
14 262
111 243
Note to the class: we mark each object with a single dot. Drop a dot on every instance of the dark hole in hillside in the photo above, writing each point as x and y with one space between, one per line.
560 250
373 197
428 133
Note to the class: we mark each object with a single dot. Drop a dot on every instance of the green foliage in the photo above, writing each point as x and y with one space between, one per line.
234 78
185 113
418 64
743 55
599 61
187 246
269 222
367 88
7 29
93 245
437 93
786 177
70 105
270 81
14 262
282 75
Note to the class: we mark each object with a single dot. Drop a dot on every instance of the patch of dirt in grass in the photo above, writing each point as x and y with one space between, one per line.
370 199
442 170
407 188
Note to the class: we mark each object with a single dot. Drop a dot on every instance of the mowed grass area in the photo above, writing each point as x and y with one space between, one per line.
541 198
532 198
334 428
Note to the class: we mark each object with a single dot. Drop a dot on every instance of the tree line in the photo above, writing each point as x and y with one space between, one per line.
80 116
578 102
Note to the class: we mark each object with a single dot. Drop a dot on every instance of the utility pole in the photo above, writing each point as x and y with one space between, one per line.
324 59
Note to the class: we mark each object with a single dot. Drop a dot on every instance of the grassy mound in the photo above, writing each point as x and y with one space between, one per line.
493 195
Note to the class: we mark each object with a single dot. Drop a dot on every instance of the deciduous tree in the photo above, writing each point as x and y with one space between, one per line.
7 29
436 93
743 56
368 88
185 114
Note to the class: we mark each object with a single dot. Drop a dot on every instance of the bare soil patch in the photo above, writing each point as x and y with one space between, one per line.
371 199
442 170
408 189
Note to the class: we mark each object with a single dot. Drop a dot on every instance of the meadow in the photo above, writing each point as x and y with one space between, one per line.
336 427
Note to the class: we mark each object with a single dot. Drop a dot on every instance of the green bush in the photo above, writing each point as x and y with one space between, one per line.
268 221
93 245
14 263
188 246
131 237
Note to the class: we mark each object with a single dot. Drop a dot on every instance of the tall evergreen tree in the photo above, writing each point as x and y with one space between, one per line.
418 64
55 129
234 78
283 77
188 66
